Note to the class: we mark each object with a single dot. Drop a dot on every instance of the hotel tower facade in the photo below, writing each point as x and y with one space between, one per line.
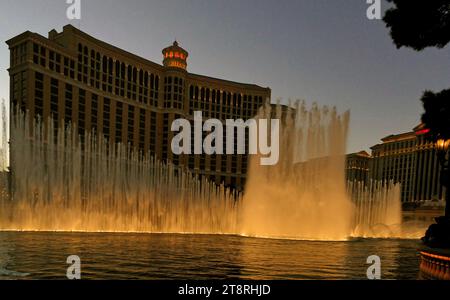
410 159
77 79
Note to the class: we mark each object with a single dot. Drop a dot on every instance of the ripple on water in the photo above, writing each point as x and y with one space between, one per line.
34 255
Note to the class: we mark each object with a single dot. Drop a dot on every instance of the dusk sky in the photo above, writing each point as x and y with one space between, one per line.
318 50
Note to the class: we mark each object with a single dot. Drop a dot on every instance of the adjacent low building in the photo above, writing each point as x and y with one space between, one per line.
357 166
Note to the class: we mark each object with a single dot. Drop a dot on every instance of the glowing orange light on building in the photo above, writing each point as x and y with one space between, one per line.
174 56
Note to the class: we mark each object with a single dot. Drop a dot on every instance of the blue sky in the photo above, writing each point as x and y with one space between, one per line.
317 50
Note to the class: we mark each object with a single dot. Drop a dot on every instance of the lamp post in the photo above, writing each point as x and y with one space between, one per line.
442 148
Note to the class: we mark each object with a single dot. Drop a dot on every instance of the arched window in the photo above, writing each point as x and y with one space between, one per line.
134 75
129 73
117 68
218 97
110 66
105 64
146 79
122 70
196 93
152 81
141 77
191 92
202 94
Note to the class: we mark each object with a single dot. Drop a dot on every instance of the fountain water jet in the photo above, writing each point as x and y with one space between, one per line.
58 184
304 195
64 186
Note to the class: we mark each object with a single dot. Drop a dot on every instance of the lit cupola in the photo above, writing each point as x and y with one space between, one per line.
175 57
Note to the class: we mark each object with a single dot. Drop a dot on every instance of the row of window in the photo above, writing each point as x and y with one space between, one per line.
18 54
115 77
85 116
173 92
202 159
19 90
223 105
81 119
99 71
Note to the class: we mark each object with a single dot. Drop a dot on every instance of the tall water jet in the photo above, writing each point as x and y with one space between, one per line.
377 209
57 183
60 184
303 196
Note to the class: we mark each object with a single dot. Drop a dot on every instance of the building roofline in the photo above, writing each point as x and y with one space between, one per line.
400 136
230 82
375 146
419 127
362 153
70 29
20 36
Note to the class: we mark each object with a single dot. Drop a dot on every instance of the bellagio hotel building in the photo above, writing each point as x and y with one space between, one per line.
77 79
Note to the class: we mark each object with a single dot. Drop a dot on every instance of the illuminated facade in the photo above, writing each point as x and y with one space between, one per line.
408 158
76 78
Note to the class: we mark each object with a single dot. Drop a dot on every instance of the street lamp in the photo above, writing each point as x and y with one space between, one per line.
442 147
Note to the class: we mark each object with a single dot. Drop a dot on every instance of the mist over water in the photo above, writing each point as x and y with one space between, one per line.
58 184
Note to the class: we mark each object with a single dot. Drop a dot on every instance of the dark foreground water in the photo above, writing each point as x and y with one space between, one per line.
26 255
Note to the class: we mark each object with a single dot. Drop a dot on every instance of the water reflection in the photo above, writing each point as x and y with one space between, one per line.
178 256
